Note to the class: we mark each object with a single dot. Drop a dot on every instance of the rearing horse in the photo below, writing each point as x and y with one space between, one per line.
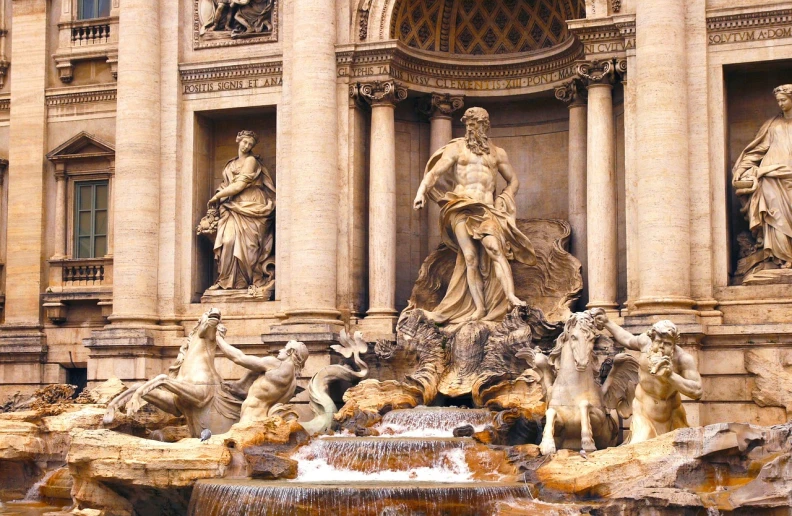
577 415
193 388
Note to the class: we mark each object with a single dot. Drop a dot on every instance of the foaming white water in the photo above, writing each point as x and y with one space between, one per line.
431 422
34 493
451 467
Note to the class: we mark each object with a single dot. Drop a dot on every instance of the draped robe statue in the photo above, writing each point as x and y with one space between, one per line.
481 228
244 212
762 177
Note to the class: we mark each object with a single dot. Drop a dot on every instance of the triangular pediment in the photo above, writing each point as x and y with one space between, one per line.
82 145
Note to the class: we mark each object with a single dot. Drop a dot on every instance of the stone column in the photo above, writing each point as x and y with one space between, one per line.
136 202
313 189
574 94
601 195
662 157
23 346
60 213
26 229
441 107
383 97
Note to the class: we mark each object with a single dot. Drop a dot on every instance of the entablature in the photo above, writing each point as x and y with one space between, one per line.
230 75
429 72
749 24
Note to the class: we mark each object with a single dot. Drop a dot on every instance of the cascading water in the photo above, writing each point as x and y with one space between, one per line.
251 498
431 421
415 466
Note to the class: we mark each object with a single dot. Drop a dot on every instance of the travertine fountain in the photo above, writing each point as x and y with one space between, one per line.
494 398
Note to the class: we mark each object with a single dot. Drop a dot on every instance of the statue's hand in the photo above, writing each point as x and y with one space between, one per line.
419 202
600 317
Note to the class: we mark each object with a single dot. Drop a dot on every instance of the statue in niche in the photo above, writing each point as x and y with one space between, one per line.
271 381
665 371
240 218
239 17
479 226
762 178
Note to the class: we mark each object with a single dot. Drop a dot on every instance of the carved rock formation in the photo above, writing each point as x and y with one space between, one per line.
773 379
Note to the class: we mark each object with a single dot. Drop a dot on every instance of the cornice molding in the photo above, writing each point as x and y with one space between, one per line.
749 25
220 71
81 97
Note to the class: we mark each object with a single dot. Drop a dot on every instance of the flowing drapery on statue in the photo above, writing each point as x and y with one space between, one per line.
480 227
762 177
241 218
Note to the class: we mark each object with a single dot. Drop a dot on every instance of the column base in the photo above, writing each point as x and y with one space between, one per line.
313 316
21 343
666 305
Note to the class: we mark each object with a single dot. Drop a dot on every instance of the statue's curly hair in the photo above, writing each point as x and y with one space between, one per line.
784 89
247 134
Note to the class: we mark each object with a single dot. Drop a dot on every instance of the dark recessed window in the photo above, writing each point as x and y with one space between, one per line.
90 219
93 9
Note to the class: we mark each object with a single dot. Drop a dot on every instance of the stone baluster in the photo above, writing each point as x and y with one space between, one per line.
137 175
574 94
601 194
441 107
313 187
662 175
383 96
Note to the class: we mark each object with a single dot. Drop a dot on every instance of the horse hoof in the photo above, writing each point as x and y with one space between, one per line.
588 444
109 416
547 448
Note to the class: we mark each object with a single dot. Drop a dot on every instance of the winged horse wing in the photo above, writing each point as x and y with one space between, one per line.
618 390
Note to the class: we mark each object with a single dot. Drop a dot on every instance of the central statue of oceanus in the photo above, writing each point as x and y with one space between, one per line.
480 226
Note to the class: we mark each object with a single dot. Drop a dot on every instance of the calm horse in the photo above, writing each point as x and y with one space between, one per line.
577 416
192 388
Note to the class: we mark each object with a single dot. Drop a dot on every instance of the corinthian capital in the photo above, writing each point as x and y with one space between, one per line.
382 92
572 92
596 72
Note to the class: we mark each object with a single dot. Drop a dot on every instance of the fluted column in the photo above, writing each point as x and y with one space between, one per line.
136 200
601 195
313 188
383 97
441 107
662 156
60 214
574 94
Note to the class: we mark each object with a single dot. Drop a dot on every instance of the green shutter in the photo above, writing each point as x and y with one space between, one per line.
90 219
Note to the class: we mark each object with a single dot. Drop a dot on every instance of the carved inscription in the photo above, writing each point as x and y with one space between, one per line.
609 46
457 84
231 84
723 38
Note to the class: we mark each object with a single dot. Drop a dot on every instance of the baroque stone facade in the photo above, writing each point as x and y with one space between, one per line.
624 118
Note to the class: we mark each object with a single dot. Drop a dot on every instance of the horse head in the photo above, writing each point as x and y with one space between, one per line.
205 329
207 325
580 333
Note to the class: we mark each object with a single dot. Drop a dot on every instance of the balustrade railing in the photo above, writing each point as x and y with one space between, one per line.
90 34
84 274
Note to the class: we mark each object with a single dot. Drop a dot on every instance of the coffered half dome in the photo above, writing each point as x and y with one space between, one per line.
484 27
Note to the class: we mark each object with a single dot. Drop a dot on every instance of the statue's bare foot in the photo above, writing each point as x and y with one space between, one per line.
516 301
216 286
787 265
477 315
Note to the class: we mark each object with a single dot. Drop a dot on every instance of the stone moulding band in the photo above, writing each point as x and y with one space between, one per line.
747 27
422 71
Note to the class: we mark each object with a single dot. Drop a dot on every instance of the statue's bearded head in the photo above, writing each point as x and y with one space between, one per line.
477 124
664 335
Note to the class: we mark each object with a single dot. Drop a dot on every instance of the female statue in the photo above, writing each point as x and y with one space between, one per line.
245 204
762 177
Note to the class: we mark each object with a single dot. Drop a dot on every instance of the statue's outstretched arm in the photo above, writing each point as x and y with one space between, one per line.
250 362
439 167
622 336
689 381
